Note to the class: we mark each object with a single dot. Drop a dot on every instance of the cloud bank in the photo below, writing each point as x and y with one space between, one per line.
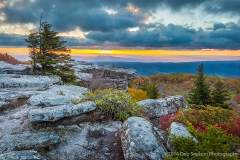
105 22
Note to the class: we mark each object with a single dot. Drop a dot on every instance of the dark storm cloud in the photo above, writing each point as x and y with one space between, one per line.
87 15
218 26
163 36
12 40
222 36
90 16
223 6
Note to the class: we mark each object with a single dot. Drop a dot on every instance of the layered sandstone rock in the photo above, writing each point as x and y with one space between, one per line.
6 68
105 75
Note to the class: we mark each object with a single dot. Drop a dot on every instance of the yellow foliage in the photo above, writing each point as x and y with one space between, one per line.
137 94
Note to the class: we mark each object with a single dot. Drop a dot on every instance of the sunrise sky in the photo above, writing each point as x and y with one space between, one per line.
146 30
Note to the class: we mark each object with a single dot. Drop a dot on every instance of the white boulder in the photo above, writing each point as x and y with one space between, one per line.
140 140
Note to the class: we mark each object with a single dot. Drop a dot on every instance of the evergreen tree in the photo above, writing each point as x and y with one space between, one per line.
200 95
220 95
152 91
47 49
33 45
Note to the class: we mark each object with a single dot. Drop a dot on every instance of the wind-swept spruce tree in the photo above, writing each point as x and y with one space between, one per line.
200 95
47 49
220 95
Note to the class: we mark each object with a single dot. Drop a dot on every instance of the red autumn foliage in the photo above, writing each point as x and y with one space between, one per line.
233 127
237 98
166 120
226 120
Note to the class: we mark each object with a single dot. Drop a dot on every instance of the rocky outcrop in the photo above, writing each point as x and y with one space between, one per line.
27 140
48 117
140 140
89 141
178 130
157 108
15 121
58 95
49 100
28 82
6 68
21 155
51 114
108 76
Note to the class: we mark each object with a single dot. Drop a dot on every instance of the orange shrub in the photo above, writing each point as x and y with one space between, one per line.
137 95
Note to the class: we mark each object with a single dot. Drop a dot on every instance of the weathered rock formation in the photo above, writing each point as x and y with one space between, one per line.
51 114
48 118
89 141
140 140
157 108
28 82
25 141
21 155
103 76
6 68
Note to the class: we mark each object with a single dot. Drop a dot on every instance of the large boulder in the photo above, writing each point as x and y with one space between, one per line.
51 114
157 108
140 140
21 155
27 141
6 68
179 130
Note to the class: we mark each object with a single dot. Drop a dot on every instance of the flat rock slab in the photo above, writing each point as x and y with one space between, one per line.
29 82
58 95
6 68
140 140
51 114
27 140
178 130
163 106
21 155
70 91
49 100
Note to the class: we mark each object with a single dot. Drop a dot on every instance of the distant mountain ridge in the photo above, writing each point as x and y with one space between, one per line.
105 59
219 68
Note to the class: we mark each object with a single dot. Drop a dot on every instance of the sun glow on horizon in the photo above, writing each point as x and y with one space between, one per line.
145 55
206 52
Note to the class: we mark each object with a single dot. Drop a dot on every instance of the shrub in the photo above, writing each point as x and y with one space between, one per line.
115 104
200 118
165 120
137 95
232 127
213 141
237 98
